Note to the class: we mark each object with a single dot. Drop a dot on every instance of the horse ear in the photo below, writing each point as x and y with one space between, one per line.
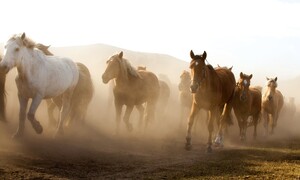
230 68
241 75
23 36
204 55
267 78
275 78
250 76
121 55
192 54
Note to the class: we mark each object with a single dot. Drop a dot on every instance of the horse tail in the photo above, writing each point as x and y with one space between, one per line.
82 94
2 96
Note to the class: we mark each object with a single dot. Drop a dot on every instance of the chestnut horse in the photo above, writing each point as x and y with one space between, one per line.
132 88
272 103
213 90
247 102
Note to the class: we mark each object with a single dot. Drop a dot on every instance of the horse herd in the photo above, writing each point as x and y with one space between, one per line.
68 86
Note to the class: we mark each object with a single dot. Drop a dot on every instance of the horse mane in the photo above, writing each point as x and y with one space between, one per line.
27 42
44 49
127 69
210 67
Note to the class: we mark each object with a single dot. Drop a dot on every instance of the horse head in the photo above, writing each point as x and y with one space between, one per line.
198 70
113 67
13 51
272 85
243 86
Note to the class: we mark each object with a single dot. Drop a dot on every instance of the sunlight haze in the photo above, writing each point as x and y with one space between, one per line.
244 34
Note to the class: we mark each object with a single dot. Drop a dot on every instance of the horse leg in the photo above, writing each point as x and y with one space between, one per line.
128 111
31 114
150 112
265 117
255 121
213 117
118 107
22 116
64 112
193 113
141 110
239 120
50 108
244 129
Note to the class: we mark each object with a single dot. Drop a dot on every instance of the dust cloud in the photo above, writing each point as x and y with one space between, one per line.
166 132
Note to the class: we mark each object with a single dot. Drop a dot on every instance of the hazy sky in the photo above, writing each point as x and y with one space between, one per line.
255 36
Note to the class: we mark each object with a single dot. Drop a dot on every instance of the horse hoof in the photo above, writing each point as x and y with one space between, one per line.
17 135
209 149
37 127
188 147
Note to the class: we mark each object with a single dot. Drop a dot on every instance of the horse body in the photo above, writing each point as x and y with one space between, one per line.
81 97
246 103
39 77
132 88
272 103
212 90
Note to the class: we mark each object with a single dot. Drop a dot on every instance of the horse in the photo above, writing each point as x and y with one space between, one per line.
213 90
2 94
185 96
39 77
82 94
246 103
272 103
132 88
164 93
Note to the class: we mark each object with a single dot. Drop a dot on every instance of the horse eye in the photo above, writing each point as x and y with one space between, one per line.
17 49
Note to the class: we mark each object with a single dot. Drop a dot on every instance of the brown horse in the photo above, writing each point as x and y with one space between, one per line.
213 90
272 102
247 102
132 88
82 94
2 94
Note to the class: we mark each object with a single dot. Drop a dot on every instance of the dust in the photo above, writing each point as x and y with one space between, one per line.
164 137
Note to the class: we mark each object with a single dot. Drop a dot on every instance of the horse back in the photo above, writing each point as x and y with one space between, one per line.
227 82
149 83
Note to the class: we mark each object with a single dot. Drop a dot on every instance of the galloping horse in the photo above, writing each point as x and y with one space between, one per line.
272 102
82 94
39 77
2 94
247 102
213 90
185 95
132 88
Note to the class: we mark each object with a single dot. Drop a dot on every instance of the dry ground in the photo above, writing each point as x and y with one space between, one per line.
92 154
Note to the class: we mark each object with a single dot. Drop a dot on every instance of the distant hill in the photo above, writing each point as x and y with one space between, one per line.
96 55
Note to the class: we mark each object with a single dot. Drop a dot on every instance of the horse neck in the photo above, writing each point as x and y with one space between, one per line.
209 80
28 61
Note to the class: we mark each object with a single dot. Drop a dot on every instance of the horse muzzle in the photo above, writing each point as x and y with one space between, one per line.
104 79
194 87
4 69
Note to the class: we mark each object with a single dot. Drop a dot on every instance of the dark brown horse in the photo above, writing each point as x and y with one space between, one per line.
2 94
246 103
213 90
132 88
82 94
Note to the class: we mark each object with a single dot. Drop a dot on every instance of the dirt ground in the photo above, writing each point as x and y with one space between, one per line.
94 154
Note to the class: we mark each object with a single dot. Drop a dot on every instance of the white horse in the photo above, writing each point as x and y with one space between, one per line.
272 102
39 77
